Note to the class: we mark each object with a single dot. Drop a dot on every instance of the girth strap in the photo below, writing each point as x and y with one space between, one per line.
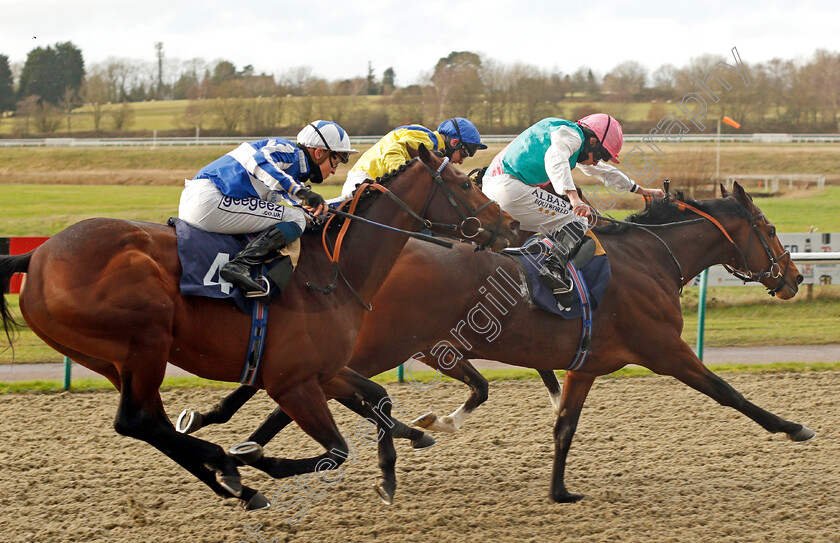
586 318
256 343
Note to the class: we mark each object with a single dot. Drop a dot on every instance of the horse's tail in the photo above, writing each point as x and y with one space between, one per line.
10 265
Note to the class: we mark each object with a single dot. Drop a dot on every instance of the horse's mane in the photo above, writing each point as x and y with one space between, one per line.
662 211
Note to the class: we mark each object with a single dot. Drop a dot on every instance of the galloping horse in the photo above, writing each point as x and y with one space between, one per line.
653 255
105 293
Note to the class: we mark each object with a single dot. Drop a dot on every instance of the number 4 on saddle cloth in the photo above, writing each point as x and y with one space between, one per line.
203 253
592 277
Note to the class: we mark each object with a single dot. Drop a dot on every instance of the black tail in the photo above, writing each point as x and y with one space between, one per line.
10 265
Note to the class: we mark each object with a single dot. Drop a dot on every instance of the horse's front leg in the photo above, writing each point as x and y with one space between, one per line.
191 420
347 387
575 389
462 371
690 370
371 401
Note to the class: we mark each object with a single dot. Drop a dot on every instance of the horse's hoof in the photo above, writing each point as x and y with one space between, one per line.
385 490
424 421
804 434
231 483
423 443
247 452
566 497
257 502
188 421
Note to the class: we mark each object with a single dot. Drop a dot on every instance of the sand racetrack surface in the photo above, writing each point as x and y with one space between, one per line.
656 460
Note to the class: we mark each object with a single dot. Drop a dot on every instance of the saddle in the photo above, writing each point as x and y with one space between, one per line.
203 253
590 264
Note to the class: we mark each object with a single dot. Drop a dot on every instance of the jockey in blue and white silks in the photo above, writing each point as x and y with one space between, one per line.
265 169
259 187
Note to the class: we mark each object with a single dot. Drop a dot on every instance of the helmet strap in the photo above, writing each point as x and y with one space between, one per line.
450 150
314 174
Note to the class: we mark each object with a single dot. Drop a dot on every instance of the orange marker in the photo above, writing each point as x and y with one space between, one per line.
731 122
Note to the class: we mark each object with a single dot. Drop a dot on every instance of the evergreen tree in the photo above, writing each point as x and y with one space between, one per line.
7 95
49 73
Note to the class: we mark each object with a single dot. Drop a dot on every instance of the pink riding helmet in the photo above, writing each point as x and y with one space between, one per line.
607 130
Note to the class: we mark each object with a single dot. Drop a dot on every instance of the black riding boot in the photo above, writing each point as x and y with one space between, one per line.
258 250
567 241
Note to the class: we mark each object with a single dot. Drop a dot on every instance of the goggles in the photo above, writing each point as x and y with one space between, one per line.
337 158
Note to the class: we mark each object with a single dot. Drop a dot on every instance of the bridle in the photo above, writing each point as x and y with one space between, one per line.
774 270
461 207
438 182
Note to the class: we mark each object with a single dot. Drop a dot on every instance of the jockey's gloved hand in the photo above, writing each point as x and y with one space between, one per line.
310 198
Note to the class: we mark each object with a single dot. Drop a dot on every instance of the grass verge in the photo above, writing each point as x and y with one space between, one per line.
425 379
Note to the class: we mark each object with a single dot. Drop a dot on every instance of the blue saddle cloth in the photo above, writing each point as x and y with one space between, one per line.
596 275
202 254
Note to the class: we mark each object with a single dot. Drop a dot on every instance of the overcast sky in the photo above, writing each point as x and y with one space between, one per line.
337 38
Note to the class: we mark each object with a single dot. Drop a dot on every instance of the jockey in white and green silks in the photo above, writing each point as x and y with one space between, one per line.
547 152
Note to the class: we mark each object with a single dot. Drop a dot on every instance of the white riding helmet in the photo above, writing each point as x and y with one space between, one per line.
325 135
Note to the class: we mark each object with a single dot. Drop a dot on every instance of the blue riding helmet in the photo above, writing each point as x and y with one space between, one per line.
465 131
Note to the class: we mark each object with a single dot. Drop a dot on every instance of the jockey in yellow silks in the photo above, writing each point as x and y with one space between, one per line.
456 138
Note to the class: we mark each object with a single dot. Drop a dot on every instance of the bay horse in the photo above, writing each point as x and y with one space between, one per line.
105 293
653 254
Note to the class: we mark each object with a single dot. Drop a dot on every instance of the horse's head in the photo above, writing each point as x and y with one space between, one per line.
456 207
759 255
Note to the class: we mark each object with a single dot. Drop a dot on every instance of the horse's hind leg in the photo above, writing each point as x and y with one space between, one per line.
191 420
141 415
575 389
549 379
690 370
465 372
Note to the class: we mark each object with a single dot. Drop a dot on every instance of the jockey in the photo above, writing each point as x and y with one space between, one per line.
547 152
455 138
259 187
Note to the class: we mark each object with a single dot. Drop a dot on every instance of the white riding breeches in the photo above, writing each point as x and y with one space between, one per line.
536 210
204 206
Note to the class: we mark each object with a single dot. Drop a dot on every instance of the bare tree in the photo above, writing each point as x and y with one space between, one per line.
497 89
69 102
625 81
122 116
457 83
46 117
226 106
530 94
24 110
95 93
294 79
664 82
827 72
780 74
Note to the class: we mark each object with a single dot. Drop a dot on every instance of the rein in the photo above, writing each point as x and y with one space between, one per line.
774 270
458 203
352 204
